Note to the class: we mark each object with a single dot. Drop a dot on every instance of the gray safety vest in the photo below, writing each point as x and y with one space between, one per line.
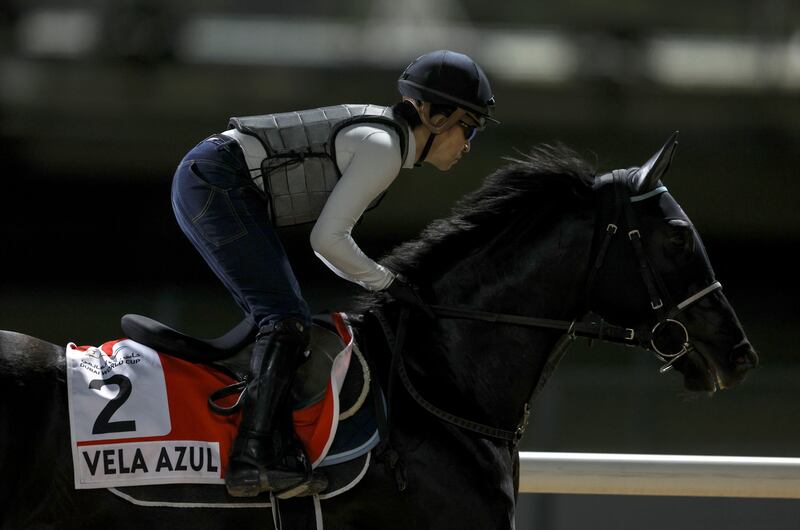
299 170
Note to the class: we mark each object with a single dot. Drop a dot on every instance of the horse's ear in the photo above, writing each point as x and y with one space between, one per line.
647 177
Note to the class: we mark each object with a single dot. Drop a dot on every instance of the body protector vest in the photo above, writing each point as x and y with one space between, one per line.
299 169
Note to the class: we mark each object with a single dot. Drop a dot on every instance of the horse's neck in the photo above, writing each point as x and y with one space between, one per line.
492 368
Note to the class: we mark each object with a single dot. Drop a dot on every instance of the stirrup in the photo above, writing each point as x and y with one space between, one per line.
317 483
254 485
298 473
253 480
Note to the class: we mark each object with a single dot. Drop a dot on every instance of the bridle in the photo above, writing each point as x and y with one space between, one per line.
590 325
665 317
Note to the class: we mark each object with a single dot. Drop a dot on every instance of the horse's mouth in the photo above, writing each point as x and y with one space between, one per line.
706 372
698 374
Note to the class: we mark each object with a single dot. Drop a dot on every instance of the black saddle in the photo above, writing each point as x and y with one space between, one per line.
165 339
231 352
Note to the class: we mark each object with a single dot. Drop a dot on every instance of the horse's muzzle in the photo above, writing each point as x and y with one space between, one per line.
730 372
704 371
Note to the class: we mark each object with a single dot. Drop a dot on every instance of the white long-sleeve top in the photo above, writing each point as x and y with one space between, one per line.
369 159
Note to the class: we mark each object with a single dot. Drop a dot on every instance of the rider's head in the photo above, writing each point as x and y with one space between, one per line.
451 100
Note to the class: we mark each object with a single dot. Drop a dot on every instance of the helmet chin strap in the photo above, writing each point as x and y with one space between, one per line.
425 150
443 124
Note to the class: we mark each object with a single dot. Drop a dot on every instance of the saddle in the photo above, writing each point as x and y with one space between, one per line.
333 408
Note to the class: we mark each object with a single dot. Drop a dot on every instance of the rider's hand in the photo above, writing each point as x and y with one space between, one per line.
403 290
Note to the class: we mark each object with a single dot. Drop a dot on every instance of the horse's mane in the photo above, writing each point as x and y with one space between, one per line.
532 184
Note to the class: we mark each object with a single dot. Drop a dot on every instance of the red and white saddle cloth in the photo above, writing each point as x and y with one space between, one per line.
138 417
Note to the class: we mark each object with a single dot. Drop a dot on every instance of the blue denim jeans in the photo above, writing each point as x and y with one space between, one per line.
225 216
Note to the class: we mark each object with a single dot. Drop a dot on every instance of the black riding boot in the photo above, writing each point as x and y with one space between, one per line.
266 455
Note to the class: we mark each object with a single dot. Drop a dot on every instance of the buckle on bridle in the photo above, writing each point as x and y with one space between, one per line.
523 424
656 304
630 334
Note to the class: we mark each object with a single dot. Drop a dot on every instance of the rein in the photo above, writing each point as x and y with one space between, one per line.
590 325
597 329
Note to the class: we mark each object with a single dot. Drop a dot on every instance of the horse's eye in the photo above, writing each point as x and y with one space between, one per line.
679 237
678 240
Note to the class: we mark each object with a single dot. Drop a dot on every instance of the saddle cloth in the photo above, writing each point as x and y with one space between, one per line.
139 417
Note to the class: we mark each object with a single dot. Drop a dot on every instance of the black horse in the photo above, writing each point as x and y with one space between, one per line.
542 238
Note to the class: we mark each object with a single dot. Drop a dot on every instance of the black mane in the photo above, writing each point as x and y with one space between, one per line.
534 184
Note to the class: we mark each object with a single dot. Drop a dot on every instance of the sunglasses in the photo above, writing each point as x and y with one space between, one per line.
470 131
471 126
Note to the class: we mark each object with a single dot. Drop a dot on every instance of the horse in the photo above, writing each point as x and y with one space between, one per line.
544 251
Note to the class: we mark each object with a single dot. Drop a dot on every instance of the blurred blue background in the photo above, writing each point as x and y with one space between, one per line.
99 101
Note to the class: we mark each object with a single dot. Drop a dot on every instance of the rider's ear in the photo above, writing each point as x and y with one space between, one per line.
648 176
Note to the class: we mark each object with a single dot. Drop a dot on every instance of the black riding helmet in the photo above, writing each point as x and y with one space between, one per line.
450 79
446 77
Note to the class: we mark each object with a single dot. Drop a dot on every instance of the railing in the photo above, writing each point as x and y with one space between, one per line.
681 475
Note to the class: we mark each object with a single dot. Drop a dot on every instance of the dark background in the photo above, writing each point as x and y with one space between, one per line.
100 100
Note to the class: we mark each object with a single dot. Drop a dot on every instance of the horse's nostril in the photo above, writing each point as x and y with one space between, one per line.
744 357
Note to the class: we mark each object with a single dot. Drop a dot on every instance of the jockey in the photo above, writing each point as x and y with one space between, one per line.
327 165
